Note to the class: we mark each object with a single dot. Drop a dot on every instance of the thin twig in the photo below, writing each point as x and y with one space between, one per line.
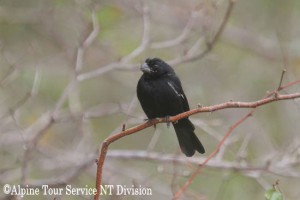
210 44
281 79
223 24
179 39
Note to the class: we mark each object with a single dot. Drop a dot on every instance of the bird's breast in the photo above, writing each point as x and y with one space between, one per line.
159 98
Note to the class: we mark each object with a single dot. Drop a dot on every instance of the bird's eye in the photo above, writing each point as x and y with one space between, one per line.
154 69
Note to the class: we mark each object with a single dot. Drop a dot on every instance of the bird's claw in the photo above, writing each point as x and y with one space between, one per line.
168 120
148 120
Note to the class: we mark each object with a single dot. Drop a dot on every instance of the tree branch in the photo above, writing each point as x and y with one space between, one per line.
269 99
272 95
277 167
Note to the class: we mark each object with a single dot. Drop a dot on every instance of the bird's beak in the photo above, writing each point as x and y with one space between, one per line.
145 68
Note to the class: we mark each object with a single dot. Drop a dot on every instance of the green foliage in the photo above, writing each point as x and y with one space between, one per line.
272 194
108 16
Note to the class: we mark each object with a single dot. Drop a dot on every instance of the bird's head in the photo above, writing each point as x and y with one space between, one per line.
155 67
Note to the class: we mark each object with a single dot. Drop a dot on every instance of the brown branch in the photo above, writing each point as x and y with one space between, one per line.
268 96
232 104
147 124
275 96
198 170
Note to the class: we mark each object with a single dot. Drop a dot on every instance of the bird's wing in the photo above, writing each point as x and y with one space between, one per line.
175 84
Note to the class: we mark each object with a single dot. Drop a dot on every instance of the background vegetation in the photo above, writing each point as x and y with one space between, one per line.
68 75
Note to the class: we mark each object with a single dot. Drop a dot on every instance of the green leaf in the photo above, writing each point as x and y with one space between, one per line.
272 194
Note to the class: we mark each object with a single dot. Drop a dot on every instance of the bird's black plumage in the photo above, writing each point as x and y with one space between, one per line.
160 94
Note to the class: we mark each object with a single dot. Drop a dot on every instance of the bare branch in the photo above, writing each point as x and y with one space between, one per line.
86 43
194 55
146 37
123 63
191 55
226 105
196 172
281 79
275 167
179 39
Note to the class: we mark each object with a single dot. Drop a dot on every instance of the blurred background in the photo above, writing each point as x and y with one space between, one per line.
68 76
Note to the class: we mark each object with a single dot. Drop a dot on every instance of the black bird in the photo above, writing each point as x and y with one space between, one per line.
161 95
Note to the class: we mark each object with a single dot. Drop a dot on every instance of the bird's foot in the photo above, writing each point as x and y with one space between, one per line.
149 120
168 120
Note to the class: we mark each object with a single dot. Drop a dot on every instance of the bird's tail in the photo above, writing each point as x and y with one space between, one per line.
188 141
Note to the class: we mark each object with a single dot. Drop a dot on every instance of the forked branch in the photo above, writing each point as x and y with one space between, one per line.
271 97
